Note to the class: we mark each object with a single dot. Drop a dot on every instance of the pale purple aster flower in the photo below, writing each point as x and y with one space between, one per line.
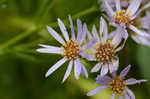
144 24
117 84
71 49
145 21
123 3
123 18
104 50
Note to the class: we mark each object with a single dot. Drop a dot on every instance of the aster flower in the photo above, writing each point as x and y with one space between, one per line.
124 17
117 84
71 49
144 24
104 50
123 3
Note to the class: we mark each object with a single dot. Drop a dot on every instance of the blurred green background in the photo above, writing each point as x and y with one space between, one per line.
22 69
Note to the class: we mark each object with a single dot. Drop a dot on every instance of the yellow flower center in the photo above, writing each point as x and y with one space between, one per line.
105 53
71 49
118 86
122 17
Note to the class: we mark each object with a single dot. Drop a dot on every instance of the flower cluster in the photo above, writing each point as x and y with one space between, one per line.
103 46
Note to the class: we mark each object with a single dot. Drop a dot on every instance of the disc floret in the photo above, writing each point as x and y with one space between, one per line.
117 85
105 53
71 49
122 17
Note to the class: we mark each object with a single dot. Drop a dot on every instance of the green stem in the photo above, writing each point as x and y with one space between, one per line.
36 28
41 9
46 11
17 38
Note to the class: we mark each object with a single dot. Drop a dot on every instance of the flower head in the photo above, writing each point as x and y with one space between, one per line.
104 50
117 84
71 49
144 24
124 18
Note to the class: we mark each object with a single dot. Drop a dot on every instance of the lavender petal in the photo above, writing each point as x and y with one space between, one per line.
71 26
113 96
55 67
131 94
68 71
84 71
96 68
96 90
103 79
50 49
133 7
133 81
126 96
89 44
120 97
110 10
55 35
80 31
104 70
87 56
118 7
95 34
125 71
77 68
63 29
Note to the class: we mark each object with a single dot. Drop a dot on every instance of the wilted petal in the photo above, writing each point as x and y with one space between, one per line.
103 79
131 94
68 71
55 67
63 29
96 68
133 7
126 96
125 71
77 68
96 90
104 70
55 35
133 81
